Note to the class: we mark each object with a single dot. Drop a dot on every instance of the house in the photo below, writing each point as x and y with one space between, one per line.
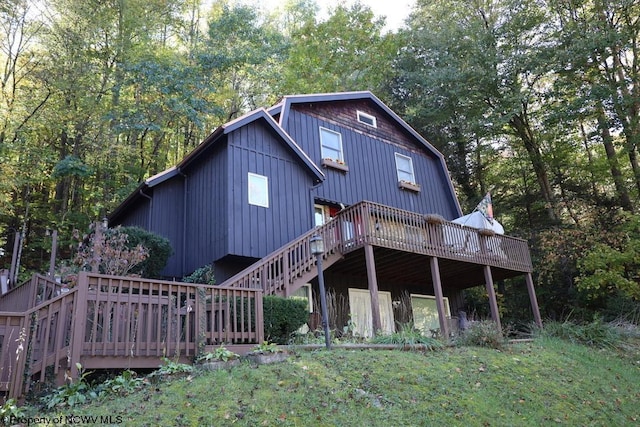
345 166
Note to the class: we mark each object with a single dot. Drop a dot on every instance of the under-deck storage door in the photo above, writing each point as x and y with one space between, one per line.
425 313
360 309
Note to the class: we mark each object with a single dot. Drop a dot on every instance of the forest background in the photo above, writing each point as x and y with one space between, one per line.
537 102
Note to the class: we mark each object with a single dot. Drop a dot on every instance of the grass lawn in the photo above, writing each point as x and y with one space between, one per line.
544 382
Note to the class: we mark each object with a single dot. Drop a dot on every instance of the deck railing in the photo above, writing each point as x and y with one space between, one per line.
275 272
380 225
34 291
384 226
122 322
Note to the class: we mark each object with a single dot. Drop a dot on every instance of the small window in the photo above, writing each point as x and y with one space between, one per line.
404 167
367 119
258 190
331 145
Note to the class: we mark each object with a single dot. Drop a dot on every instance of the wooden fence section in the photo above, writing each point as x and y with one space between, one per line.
123 322
394 228
34 291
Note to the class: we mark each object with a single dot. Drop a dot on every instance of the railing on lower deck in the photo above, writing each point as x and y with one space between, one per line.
115 319
129 317
34 291
394 228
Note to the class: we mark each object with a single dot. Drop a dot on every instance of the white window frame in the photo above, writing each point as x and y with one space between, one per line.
322 153
367 119
399 170
258 190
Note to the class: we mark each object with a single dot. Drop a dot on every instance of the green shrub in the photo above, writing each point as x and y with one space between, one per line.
596 334
409 336
282 317
482 334
203 275
158 247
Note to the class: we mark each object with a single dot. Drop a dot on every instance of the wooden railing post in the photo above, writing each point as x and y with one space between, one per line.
80 306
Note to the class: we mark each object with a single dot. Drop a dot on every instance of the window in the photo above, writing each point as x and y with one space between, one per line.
367 119
331 145
404 167
258 190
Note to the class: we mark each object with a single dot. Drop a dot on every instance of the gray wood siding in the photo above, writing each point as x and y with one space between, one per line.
206 210
167 221
372 170
136 216
256 231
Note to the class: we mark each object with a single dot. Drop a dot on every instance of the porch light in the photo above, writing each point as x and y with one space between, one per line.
316 246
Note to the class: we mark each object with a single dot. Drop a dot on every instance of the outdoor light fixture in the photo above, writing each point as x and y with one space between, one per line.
105 223
316 245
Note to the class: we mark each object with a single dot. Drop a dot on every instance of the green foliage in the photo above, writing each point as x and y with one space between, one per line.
282 317
221 354
594 334
9 410
266 348
408 336
170 367
482 334
73 393
613 266
158 248
203 275
71 166
122 385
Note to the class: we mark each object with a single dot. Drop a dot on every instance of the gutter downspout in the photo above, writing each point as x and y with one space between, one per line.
313 203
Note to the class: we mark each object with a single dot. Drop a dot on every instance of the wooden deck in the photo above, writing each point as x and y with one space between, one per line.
125 322
122 322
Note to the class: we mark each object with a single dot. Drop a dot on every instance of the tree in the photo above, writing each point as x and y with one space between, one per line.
344 53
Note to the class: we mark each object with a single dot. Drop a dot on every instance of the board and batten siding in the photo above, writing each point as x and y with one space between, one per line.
206 201
167 221
137 215
371 160
255 231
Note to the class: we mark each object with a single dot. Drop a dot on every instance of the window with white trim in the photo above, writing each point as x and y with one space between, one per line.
404 167
331 145
258 190
367 119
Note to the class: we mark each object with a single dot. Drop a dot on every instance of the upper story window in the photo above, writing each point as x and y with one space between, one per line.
331 145
404 167
367 119
258 190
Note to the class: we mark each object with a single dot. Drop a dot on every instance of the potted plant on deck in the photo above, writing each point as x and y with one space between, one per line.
267 353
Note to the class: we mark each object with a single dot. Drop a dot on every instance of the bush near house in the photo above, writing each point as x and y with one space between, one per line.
282 317
158 247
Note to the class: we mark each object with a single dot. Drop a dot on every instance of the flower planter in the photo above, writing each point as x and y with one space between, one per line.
334 164
215 365
411 186
267 358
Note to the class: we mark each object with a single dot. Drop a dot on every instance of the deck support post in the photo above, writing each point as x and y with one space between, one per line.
493 301
80 318
437 289
372 281
534 301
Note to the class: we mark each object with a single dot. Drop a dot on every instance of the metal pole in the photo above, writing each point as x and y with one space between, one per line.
323 303
14 260
54 249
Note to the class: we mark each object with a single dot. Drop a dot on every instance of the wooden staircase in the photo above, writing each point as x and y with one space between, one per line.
285 270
